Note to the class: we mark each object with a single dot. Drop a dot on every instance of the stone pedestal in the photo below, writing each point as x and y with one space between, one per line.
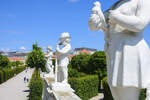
58 91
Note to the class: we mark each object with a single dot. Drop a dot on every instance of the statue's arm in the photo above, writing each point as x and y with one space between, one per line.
105 25
64 50
47 55
135 23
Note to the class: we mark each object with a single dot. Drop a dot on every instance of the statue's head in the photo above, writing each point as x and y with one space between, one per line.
49 49
65 38
97 4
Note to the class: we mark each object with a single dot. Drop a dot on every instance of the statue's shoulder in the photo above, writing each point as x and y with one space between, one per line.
144 2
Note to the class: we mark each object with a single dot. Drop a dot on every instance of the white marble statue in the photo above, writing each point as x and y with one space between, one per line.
49 66
128 57
63 52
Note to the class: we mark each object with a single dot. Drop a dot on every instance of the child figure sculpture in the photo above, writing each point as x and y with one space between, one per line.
49 66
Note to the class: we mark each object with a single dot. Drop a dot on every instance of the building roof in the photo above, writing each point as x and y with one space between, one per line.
70 56
15 59
84 51
89 49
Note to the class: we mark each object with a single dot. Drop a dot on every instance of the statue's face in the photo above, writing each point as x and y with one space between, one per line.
48 50
66 41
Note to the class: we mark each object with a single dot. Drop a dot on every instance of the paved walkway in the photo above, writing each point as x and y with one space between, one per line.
15 88
100 96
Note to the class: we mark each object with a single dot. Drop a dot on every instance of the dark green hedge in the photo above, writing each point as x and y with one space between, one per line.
1 77
36 87
8 73
85 87
143 94
74 73
107 92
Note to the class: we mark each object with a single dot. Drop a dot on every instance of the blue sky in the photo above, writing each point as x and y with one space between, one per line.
24 22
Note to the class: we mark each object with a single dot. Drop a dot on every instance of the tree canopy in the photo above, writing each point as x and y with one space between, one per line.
36 58
4 62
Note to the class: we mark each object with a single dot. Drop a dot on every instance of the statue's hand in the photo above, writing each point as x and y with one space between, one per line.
94 22
97 8
97 19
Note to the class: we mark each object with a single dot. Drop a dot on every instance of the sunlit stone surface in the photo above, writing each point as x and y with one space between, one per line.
127 53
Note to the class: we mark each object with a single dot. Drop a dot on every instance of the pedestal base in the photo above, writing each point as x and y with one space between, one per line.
49 75
61 87
58 91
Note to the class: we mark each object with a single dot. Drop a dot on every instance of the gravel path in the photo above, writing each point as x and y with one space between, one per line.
15 88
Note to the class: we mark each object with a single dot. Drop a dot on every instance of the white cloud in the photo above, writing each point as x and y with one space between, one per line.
22 48
11 32
5 49
73 1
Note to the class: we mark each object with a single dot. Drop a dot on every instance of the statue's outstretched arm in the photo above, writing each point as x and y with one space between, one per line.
135 23
47 55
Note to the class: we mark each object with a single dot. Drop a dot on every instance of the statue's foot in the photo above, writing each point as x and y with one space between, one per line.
64 81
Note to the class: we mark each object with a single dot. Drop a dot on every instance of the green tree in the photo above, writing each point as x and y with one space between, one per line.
36 59
16 63
97 64
4 62
79 62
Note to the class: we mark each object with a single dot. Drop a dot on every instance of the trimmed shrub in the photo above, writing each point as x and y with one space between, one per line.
97 64
76 62
74 73
19 69
107 92
4 62
85 87
16 63
1 77
143 94
7 73
36 87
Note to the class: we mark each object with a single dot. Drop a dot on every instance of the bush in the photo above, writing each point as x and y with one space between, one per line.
1 77
7 73
36 87
107 92
75 73
16 63
4 62
19 69
97 64
143 94
77 61
85 87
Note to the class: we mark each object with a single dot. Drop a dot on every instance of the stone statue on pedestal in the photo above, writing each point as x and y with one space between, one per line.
127 53
58 88
49 66
63 59
61 71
